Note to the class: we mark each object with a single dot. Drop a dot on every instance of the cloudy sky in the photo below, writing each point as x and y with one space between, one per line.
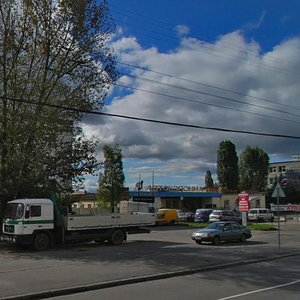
232 65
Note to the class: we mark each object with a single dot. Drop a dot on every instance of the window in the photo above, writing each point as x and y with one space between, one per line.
35 211
227 227
236 227
281 169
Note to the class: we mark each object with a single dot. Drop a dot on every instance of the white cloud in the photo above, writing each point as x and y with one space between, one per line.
230 64
182 30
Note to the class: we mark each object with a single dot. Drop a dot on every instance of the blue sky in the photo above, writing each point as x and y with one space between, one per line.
268 22
226 64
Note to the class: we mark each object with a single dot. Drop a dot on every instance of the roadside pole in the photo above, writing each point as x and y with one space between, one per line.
278 218
277 193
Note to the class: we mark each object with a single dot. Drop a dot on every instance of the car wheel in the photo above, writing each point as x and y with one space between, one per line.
199 242
243 238
216 240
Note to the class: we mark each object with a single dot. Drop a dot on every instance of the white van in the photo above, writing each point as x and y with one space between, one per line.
260 215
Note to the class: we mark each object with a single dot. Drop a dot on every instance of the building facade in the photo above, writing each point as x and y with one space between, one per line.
288 170
190 201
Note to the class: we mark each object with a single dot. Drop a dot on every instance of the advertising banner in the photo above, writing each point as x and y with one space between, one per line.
244 203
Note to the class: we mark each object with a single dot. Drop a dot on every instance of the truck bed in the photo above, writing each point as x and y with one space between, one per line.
84 222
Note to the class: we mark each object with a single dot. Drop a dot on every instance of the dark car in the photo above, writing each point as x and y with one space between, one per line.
186 216
222 231
202 215
225 215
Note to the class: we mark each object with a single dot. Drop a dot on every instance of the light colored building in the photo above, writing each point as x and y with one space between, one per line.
280 169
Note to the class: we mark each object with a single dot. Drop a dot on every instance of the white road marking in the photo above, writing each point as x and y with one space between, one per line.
261 290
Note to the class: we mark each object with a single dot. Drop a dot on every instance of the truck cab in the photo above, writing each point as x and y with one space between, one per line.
24 218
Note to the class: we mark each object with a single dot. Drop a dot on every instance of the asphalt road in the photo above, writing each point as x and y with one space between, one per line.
274 280
164 250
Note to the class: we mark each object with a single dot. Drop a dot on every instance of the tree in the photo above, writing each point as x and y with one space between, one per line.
227 166
253 168
111 182
209 183
53 56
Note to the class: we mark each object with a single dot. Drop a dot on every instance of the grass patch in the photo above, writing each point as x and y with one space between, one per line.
252 226
262 227
194 224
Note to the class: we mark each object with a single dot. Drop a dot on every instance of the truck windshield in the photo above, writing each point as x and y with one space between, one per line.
14 211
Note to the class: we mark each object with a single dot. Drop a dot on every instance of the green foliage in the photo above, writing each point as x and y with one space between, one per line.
253 169
53 54
209 183
227 166
111 182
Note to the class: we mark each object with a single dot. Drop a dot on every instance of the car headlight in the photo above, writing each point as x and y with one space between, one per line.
200 234
206 235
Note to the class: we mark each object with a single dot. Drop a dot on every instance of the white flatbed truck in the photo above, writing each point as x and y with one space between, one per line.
41 223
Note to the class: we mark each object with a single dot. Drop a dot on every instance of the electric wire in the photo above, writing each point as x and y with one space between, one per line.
210 94
61 107
205 103
209 52
207 85
170 27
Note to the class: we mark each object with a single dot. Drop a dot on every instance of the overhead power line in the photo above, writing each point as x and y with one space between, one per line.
205 103
211 95
281 65
207 85
152 120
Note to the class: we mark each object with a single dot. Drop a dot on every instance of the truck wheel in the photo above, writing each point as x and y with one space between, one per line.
41 241
117 237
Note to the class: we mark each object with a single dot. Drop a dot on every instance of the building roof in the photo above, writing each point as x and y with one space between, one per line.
285 162
163 194
32 201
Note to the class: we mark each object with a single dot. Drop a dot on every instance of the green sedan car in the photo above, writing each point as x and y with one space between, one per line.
222 231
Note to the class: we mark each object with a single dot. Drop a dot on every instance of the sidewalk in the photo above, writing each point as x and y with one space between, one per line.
82 268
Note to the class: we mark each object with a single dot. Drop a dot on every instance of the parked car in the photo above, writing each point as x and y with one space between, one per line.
202 214
166 216
225 215
185 216
260 215
222 231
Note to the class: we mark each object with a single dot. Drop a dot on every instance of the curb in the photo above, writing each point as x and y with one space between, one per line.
132 280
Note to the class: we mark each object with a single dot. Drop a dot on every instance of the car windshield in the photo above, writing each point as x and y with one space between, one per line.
215 226
14 211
